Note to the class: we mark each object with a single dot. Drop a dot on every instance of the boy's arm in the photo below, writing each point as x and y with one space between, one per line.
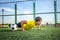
39 27
22 28
22 24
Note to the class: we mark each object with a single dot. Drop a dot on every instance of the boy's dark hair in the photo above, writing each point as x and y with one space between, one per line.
38 19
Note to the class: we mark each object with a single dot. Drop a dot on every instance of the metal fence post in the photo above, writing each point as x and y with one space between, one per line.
55 12
15 13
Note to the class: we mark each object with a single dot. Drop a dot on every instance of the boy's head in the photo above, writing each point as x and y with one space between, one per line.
38 20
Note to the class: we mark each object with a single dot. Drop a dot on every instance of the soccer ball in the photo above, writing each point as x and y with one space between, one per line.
13 27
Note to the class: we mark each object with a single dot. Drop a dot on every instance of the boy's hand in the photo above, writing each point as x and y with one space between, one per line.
39 29
23 30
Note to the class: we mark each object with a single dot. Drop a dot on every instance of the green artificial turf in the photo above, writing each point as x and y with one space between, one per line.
33 34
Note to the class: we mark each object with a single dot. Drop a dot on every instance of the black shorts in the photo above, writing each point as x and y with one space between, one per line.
19 24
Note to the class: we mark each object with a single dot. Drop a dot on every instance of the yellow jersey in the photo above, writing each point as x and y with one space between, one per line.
30 24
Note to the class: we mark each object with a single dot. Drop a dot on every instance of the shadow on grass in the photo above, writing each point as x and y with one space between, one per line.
8 30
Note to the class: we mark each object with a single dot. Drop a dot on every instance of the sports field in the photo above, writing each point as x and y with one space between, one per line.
33 34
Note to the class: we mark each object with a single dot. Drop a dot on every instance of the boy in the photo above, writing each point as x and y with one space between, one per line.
37 23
